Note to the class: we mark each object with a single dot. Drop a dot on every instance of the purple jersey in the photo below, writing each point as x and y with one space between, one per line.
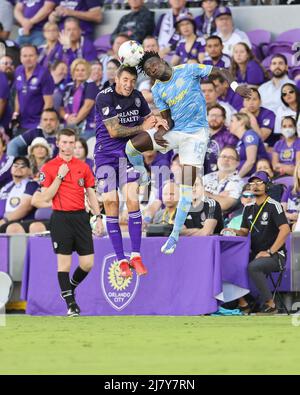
5 166
251 138
254 74
287 154
47 59
292 199
86 50
266 119
32 7
216 143
233 99
197 47
81 5
4 95
130 110
30 94
89 91
31 134
223 62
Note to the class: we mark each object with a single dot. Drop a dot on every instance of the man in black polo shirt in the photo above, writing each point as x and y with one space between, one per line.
267 223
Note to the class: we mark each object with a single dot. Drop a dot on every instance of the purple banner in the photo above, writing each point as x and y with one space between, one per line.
4 259
185 283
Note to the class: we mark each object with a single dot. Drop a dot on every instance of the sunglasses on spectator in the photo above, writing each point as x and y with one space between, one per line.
227 157
288 92
257 182
248 195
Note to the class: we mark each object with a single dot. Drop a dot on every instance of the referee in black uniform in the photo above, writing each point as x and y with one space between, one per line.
269 229
65 180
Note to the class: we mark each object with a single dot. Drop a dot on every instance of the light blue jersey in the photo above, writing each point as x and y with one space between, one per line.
182 94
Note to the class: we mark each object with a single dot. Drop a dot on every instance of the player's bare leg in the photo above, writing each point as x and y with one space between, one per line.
131 193
189 176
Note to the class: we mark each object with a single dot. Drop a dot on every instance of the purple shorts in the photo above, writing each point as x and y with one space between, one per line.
114 173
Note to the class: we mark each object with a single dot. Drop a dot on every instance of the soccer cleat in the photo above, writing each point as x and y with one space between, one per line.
73 310
137 264
125 269
169 247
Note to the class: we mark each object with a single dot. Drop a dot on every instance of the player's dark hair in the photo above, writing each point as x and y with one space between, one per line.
148 55
66 132
130 70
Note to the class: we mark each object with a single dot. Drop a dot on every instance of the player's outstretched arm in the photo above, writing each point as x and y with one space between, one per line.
117 130
242 90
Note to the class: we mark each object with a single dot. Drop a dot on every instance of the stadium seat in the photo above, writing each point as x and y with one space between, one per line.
287 181
284 42
260 40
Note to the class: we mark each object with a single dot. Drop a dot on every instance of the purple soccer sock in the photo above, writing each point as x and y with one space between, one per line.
115 235
135 230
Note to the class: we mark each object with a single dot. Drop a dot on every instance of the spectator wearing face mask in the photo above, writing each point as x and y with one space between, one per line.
290 99
286 151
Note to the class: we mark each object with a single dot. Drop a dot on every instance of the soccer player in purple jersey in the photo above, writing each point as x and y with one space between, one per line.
121 113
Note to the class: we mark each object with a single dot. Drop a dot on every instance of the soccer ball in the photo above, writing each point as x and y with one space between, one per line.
130 53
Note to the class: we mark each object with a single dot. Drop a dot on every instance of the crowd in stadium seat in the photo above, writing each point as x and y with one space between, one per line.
51 74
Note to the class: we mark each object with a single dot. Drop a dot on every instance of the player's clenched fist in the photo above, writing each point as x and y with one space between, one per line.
63 170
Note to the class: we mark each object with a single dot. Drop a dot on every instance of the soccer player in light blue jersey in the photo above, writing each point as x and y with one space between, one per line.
177 94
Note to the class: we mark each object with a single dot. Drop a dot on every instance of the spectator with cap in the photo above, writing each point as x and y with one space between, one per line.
78 101
39 152
270 91
236 216
88 12
286 152
6 161
227 32
190 48
250 146
47 129
32 15
219 137
267 225
165 31
206 24
245 67
15 198
262 120
73 45
290 106
225 184
34 85
137 24
214 53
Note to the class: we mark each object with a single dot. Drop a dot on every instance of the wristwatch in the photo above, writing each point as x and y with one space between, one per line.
59 176
270 252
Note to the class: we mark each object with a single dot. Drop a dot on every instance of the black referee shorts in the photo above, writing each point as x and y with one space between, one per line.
71 231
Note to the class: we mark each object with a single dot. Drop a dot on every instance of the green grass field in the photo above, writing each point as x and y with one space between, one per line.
149 345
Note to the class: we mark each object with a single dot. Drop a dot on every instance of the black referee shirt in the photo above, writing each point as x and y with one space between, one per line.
266 227
208 209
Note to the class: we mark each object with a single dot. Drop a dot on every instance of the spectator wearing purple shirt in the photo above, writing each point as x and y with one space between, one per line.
15 198
81 152
78 101
34 89
225 93
59 73
88 12
219 137
49 52
5 161
205 23
31 15
74 45
286 152
245 67
214 51
291 197
5 110
47 129
262 120
191 48
250 146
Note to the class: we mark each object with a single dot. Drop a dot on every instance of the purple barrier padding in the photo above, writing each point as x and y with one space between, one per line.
4 258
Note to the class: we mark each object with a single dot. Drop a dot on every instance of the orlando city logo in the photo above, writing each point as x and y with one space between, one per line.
118 291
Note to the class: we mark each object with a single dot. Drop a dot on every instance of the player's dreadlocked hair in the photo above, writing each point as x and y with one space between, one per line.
148 55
